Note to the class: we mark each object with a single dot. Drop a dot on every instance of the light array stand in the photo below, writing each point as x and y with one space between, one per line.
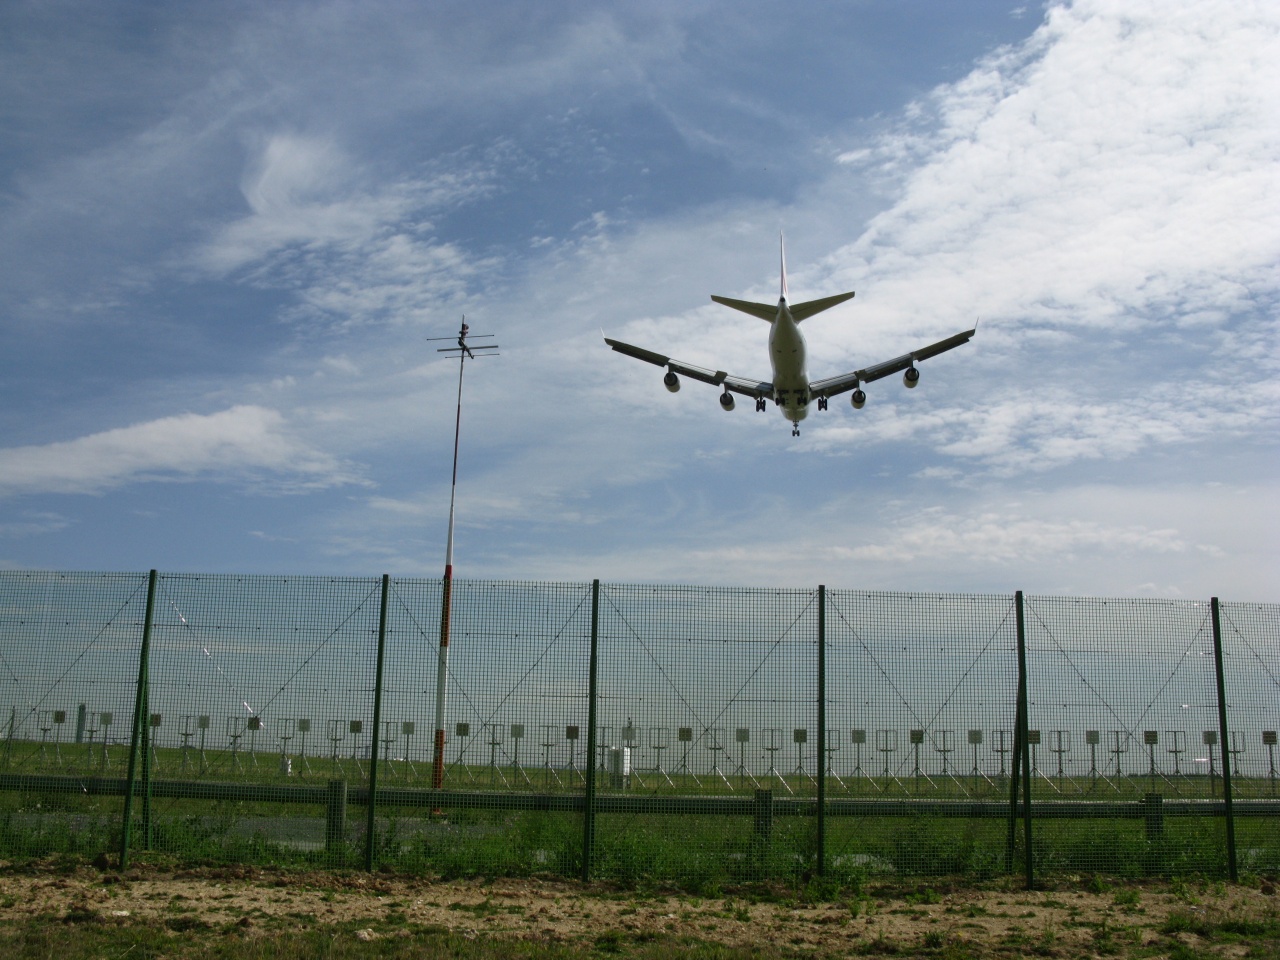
858 738
407 729
104 721
91 730
45 720
659 740
1061 747
775 744
886 745
1237 749
387 739
975 741
1210 739
685 736
337 733
517 734
743 736
463 351
714 740
944 744
186 734
833 747
1001 748
304 727
630 738
1179 747
462 731
235 730
1120 746
549 744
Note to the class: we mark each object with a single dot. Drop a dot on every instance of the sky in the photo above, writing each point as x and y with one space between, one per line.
229 232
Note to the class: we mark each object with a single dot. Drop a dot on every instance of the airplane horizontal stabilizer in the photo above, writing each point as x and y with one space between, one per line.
807 309
765 311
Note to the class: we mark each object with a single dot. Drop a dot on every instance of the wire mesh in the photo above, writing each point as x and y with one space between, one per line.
1251 668
261 692
510 797
738 734
1123 724
920 694
69 656
708 722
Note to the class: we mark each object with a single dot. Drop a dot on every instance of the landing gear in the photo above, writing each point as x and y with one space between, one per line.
795 429
822 403
760 404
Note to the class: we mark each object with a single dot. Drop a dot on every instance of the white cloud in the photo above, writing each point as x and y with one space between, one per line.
244 443
350 251
34 523
1117 170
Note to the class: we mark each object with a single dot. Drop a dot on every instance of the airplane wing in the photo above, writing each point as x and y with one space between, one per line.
718 378
832 386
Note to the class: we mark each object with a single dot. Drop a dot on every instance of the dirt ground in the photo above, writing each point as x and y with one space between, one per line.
1080 917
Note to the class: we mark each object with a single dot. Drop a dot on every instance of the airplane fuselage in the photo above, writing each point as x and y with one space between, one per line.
790 374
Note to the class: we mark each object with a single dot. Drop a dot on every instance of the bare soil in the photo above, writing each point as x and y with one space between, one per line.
1081 917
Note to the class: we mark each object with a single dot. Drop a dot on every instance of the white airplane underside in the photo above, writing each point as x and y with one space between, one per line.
791 390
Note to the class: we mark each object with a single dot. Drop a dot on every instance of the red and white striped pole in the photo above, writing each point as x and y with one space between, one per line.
446 601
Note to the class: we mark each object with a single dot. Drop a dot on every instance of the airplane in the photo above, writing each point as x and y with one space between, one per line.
791 390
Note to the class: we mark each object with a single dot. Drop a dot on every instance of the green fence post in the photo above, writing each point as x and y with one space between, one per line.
1223 735
372 810
1015 773
822 729
589 801
335 819
139 711
1024 724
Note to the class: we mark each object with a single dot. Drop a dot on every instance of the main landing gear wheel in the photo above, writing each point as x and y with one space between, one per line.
760 405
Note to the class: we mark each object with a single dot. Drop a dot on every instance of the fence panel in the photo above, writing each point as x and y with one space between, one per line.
261 695
707 733
517 684
1123 727
920 707
706 764
1251 669
69 647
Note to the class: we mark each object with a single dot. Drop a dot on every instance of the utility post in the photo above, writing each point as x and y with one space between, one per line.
463 351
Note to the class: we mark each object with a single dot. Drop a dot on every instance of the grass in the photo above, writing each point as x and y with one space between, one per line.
78 938
695 851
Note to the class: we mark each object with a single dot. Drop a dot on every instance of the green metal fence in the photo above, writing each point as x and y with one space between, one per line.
693 734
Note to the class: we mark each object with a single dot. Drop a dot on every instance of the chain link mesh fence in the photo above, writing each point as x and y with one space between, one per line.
700 735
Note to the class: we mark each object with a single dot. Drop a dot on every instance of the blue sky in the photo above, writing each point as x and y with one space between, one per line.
228 230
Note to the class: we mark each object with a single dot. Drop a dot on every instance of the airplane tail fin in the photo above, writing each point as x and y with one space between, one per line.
769 312
782 253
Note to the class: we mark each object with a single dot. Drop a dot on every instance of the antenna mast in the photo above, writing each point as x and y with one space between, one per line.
463 351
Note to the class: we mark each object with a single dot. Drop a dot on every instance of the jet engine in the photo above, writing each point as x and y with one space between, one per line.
671 382
726 400
910 377
858 398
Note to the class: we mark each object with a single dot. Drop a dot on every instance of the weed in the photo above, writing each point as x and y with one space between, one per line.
1127 899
